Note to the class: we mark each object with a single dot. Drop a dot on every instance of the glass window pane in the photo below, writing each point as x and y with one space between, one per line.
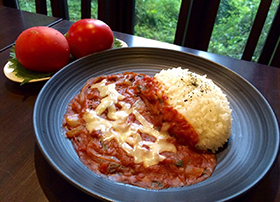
232 27
157 19
94 9
267 24
27 5
74 7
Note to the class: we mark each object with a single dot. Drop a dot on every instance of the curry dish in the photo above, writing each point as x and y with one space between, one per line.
122 128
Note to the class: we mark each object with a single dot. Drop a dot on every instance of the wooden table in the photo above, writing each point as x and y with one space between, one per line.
24 173
13 22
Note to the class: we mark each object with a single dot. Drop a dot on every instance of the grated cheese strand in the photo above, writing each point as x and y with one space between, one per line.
127 135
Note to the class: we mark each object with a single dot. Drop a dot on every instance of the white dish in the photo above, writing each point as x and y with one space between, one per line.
10 74
123 44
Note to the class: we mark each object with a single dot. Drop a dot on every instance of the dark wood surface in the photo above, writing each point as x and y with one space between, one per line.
24 173
13 22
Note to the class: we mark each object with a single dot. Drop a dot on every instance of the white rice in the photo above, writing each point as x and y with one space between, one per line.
202 102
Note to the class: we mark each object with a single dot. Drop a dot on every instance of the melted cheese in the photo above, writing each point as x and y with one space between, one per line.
127 135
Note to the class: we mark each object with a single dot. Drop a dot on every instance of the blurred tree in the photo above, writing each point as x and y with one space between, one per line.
157 19
233 24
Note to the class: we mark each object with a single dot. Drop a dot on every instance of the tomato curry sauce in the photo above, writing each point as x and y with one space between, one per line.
123 128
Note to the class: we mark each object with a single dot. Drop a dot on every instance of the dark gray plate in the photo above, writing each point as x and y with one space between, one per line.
248 156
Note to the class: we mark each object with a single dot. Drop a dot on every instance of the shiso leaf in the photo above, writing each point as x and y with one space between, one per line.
117 43
25 74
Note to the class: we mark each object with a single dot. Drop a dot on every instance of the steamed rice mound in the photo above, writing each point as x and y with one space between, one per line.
202 102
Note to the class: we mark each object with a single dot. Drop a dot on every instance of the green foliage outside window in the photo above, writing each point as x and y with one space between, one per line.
233 24
157 19
73 5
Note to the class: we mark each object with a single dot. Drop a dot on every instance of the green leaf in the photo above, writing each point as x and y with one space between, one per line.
24 73
117 43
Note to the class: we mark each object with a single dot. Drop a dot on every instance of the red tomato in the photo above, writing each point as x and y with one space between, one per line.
42 49
88 36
